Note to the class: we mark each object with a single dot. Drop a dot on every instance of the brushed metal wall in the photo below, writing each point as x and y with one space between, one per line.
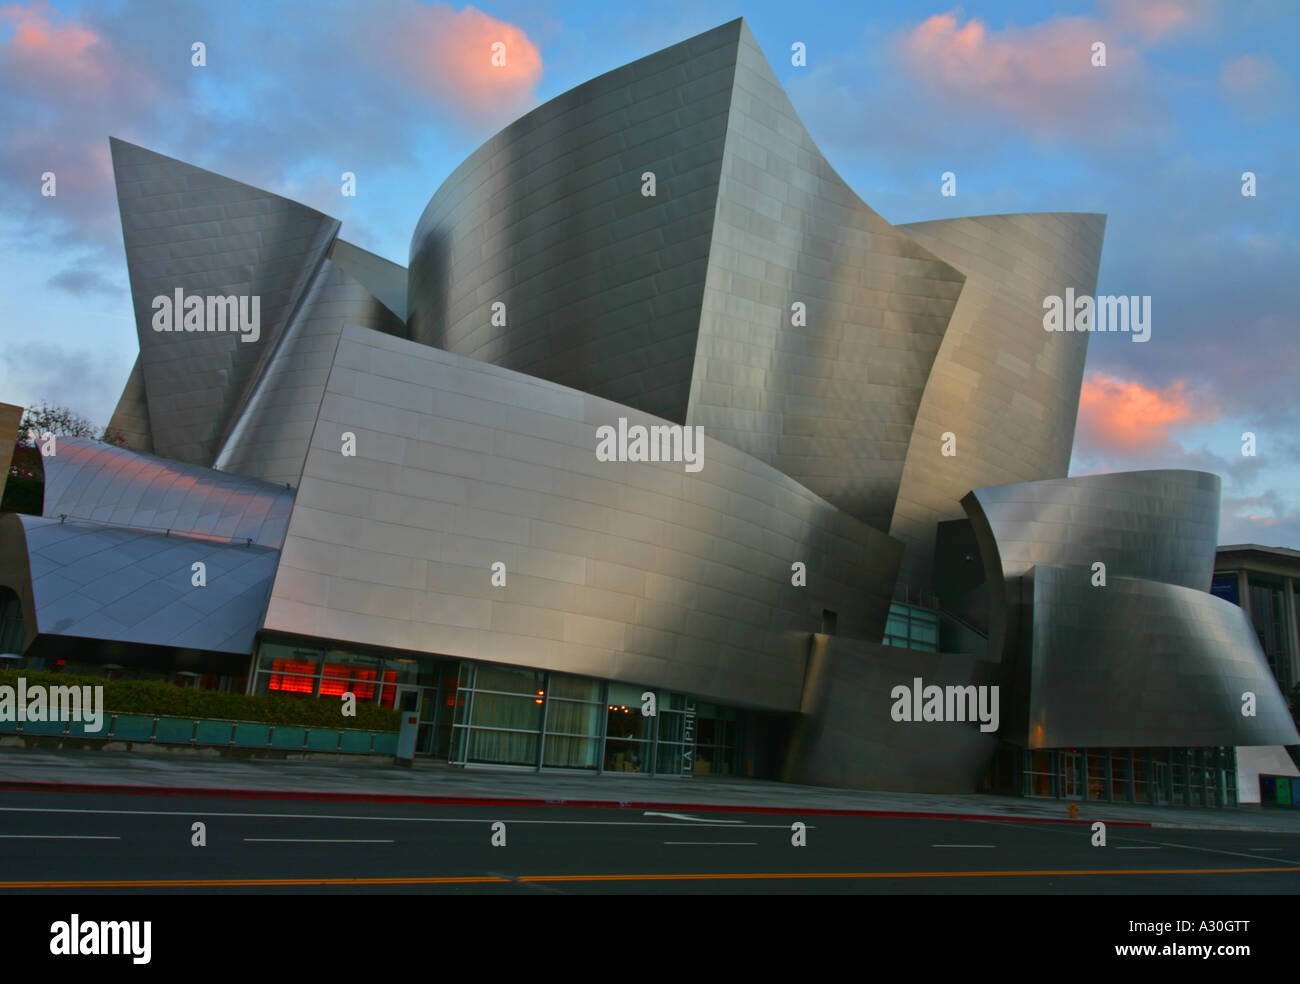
131 415
1159 525
92 581
100 483
830 403
184 227
1141 663
847 736
634 571
602 286
1008 389
271 433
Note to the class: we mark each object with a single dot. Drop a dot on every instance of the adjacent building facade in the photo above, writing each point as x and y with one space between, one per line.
836 543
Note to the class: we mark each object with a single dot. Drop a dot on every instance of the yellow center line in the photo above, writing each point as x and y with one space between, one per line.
727 876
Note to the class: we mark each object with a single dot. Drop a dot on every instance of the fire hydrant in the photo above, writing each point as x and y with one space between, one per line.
1074 811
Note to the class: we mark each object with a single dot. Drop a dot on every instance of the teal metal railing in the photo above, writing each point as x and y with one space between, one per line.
208 732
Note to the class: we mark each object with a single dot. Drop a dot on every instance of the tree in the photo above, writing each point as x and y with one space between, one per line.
59 421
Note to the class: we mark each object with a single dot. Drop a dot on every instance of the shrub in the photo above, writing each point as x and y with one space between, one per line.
155 697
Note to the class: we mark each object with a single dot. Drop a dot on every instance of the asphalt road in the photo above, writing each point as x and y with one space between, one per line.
114 843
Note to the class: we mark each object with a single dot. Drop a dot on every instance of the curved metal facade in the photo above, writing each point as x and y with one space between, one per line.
602 285
634 571
270 436
99 483
847 736
1157 525
427 456
189 229
829 401
1147 664
1006 388
680 304
92 581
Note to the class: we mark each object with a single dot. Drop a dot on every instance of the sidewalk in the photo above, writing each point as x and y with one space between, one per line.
435 780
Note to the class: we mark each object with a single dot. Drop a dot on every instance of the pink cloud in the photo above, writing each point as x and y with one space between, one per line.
65 56
1254 83
1156 20
1042 75
1118 416
448 54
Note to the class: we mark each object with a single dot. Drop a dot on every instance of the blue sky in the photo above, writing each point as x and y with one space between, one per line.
1003 94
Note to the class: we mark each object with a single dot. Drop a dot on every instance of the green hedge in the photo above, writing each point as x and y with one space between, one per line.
23 495
155 697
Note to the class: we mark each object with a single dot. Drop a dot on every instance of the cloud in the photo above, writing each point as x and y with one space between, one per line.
1156 20
92 376
1254 85
1042 76
81 280
1123 417
450 56
356 85
1268 519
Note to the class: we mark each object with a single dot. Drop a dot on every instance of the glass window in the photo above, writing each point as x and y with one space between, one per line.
1268 613
508 679
577 688
564 752
566 717
502 711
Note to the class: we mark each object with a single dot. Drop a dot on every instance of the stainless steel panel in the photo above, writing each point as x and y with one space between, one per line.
87 480
830 404
1007 388
99 582
187 228
1139 663
649 580
846 735
268 440
602 286
1157 525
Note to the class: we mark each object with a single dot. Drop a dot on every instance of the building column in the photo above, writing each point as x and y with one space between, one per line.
1292 636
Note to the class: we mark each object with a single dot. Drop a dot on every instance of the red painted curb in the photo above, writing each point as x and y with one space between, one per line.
85 787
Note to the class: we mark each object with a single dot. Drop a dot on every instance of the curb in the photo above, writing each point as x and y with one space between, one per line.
80 787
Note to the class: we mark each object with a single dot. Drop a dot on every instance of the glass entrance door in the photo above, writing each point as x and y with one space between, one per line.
1072 776
1161 786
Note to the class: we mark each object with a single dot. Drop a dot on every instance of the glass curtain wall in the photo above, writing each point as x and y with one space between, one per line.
519 717
1205 777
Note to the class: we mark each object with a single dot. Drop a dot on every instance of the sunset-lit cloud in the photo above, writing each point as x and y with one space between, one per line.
1118 416
448 55
1157 20
1043 74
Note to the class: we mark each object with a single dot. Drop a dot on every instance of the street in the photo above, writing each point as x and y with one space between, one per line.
112 842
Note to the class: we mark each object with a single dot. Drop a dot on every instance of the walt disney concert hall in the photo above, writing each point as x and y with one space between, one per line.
874 572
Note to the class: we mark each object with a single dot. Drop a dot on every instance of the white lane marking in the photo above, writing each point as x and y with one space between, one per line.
330 816
716 843
315 840
71 837
684 816
963 845
1234 854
